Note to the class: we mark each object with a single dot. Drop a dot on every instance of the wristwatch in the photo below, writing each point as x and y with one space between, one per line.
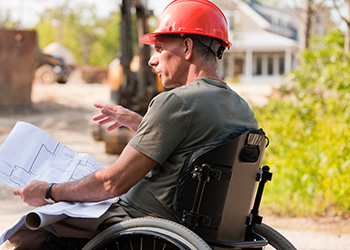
48 197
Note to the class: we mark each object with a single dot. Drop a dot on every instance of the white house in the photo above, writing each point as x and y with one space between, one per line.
264 42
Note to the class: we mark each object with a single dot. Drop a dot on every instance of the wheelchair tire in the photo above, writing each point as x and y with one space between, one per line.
147 233
275 239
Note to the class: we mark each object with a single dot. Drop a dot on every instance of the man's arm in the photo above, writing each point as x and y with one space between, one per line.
106 183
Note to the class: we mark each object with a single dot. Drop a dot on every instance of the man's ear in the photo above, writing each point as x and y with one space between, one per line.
188 48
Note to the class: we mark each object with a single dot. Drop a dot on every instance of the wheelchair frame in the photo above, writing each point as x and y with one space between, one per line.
254 239
187 236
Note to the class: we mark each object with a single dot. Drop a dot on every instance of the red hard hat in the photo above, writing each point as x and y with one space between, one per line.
198 17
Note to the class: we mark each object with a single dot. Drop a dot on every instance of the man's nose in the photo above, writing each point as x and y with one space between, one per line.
153 61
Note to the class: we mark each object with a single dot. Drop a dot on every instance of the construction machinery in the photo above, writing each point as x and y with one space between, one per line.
55 64
51 69
133 83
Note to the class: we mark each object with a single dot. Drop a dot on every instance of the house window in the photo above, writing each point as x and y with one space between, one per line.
281 65
238 66
258 70
270 65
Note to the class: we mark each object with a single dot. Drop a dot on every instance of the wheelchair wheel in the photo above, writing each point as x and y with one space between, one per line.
275 239
147 233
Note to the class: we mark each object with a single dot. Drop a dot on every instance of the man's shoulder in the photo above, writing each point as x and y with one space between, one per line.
199 88
189 89
178 93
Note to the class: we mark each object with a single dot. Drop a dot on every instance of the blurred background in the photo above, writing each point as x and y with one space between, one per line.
290 60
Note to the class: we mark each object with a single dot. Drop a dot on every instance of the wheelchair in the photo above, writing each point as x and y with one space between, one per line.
213 203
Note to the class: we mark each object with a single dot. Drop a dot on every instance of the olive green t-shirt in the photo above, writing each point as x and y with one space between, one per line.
177 122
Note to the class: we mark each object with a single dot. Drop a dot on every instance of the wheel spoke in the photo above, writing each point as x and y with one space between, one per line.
141 237
117 244
131 248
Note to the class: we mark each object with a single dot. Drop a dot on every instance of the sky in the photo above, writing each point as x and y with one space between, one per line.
27 12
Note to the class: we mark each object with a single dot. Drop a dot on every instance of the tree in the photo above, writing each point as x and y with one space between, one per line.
338 5
270 2
314 19
5 20
106 48
81 31
46 31
306 15
92 40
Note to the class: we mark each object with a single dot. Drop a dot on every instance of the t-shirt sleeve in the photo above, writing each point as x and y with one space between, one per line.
162 129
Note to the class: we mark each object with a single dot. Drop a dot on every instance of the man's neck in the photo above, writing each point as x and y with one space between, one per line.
195 73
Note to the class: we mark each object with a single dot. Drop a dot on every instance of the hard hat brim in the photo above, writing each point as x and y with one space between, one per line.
150 38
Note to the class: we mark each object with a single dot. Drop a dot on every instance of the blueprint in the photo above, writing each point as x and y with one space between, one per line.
30 153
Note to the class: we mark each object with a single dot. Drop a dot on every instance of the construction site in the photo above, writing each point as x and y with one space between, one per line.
47 88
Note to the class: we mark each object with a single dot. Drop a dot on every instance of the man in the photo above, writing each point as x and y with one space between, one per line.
200 107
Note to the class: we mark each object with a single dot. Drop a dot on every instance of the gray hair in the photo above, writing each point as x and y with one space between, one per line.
204 51
208 48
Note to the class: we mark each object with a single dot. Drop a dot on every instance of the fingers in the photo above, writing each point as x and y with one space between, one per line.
109 113
108 106
106 110
33 194
98 105
18 191
98 117
112 108
114 126
107 120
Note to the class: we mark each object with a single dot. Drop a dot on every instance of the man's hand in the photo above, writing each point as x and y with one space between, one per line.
119 115
33 194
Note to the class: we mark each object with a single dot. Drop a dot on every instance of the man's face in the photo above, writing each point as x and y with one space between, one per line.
169 63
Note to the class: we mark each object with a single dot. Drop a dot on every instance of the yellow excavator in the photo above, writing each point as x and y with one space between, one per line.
132 82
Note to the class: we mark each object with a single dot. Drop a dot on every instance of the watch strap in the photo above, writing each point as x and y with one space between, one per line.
48 197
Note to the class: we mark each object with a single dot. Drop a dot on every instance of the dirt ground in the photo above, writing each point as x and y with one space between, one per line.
65 112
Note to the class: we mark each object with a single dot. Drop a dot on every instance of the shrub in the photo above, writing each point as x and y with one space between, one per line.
307 122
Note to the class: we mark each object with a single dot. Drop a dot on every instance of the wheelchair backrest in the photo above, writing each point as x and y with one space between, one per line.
234 160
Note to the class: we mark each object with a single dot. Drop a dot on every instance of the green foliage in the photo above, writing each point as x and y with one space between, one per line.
46 32
307 123
108 45
92 40
5 20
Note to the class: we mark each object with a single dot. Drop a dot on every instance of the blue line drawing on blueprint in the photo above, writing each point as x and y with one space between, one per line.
19 174
29 153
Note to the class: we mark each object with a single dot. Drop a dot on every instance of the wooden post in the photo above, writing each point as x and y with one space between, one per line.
17 66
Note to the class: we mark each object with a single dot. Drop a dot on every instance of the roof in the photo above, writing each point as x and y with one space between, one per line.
262 41
253 14
278 20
